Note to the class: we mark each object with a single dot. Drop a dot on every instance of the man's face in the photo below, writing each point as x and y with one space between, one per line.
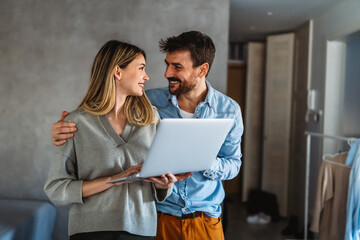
180 73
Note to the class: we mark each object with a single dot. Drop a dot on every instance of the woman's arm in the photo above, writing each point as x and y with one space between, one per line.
95 186
63 187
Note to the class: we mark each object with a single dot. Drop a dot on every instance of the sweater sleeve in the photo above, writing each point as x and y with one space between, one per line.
62 186
161 195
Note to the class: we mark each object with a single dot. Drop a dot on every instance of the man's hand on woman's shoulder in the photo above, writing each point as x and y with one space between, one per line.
62 130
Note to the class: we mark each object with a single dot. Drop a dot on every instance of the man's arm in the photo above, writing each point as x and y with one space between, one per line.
62 130
227 164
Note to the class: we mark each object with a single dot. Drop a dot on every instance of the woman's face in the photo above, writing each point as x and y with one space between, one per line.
133 77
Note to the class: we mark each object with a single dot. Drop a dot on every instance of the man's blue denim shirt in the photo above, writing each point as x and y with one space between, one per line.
203 191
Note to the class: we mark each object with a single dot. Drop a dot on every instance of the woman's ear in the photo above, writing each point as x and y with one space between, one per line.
117 72
204 68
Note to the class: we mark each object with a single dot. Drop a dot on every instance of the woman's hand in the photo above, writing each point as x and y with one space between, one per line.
163 182
95 186
130 171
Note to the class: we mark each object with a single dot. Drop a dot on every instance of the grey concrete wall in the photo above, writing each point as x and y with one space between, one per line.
47 48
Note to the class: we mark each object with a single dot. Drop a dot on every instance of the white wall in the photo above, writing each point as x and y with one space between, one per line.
341 20
334 94
351 109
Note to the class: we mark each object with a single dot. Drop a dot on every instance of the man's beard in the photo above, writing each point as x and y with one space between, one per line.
183 87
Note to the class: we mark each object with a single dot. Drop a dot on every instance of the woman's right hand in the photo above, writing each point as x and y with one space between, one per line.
130 171
95 186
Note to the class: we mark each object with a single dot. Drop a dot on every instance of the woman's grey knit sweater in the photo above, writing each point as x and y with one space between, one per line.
98 151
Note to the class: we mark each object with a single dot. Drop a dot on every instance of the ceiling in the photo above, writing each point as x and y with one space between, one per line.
254 19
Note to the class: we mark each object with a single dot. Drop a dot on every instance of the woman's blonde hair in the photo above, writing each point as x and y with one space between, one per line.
100 97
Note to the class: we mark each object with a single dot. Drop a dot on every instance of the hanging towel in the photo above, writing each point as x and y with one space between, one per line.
330 204
353 201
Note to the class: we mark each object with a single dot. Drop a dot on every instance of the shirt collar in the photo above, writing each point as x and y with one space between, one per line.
172 99
209 96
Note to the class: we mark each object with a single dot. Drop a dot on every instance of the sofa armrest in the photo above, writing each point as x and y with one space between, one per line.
26 219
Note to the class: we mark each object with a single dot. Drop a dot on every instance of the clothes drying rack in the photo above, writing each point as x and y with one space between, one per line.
307 174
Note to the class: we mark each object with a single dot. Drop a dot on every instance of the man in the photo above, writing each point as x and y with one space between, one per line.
193 209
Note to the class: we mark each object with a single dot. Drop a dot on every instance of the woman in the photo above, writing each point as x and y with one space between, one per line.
116 125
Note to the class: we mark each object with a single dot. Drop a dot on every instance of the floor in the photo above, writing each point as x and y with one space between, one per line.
237 228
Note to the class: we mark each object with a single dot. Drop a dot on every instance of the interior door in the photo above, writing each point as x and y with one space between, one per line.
277 118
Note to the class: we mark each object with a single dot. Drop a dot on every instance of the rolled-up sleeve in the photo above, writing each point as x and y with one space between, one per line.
228 162
62 186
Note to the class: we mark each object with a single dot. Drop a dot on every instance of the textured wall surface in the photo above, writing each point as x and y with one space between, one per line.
47 48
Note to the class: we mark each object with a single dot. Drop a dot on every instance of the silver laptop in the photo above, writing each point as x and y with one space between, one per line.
183 145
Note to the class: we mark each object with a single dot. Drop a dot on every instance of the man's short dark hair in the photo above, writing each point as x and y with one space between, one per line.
201 47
